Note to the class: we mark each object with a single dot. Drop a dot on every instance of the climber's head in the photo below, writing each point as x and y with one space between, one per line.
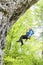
28 28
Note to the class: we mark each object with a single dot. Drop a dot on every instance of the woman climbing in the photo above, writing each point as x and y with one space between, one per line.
27 36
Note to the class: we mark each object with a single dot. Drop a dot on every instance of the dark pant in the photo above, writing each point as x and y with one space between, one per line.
22 37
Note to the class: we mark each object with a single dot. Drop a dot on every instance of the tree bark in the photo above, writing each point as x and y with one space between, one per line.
10 11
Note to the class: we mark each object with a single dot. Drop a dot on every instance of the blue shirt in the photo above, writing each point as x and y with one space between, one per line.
30 33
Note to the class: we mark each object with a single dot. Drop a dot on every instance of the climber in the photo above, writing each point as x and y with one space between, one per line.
27 36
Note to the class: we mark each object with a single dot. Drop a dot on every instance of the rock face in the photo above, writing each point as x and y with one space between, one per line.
10 11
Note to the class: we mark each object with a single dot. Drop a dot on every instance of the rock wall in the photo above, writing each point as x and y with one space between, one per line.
10 11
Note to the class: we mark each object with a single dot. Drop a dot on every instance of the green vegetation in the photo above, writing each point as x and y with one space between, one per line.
30 52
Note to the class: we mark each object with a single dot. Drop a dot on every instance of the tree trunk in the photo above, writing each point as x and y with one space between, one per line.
10 11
